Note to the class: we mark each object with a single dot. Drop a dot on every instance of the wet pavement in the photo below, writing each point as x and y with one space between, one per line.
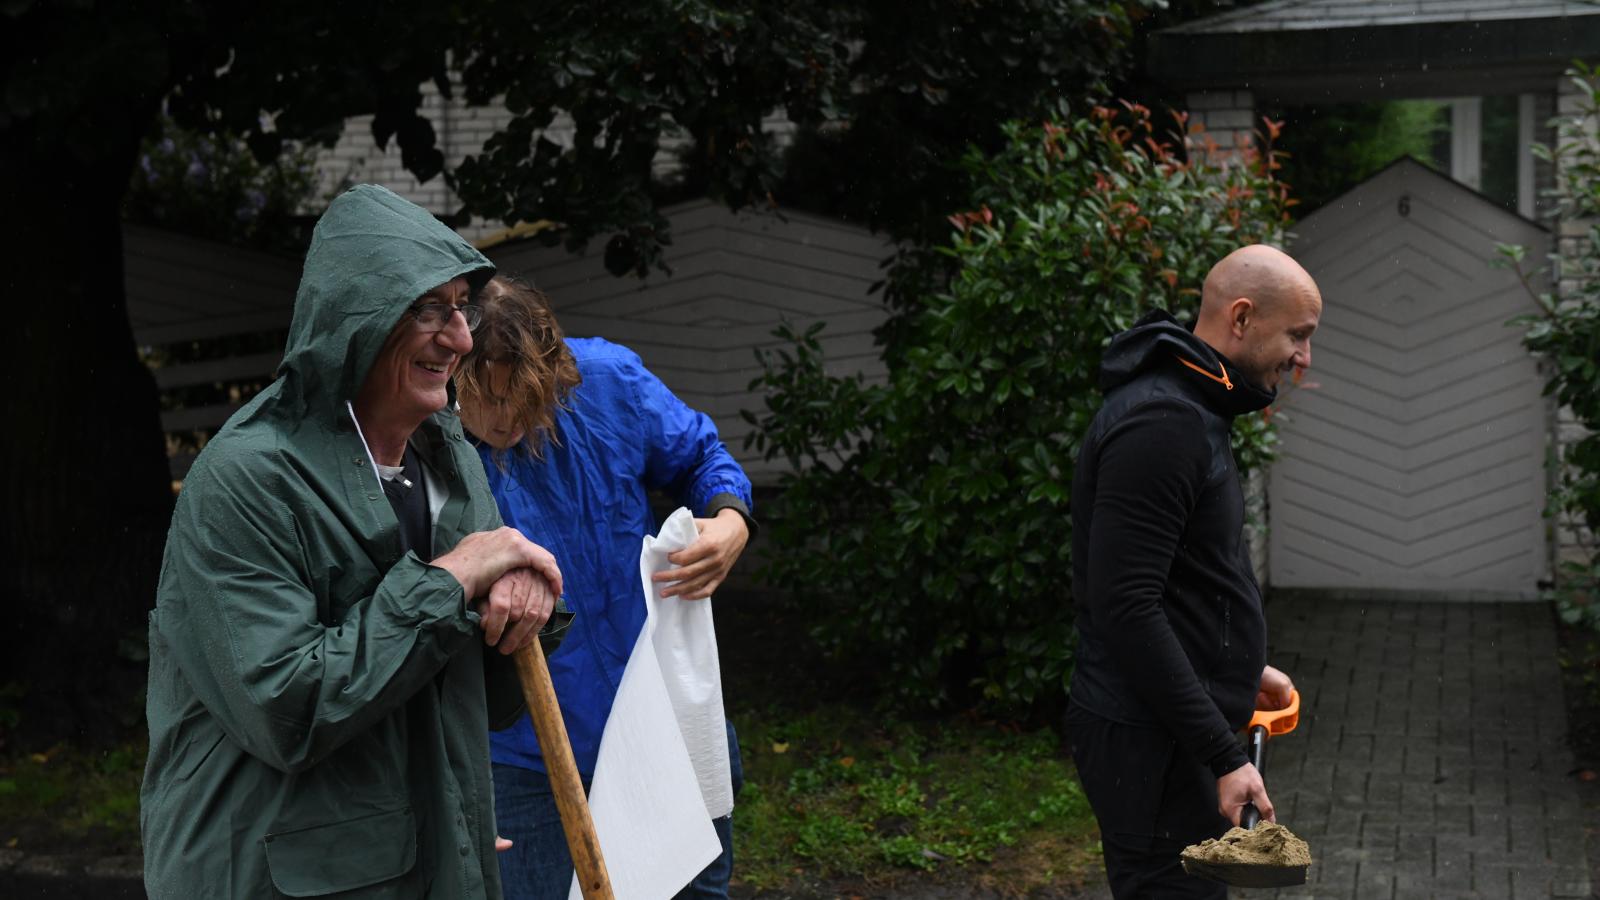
1431 758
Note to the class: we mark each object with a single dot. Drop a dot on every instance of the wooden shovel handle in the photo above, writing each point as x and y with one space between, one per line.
564 781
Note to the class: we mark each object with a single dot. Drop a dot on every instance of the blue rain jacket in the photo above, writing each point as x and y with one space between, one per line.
623 435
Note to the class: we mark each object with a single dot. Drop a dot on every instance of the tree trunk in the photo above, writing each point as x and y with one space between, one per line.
87 489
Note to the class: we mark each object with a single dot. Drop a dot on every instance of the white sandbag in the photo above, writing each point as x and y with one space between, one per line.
685 639
662 772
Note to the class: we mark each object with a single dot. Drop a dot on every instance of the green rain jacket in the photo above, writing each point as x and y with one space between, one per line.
317 697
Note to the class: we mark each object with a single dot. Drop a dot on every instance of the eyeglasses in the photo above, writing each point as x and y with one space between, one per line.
435 316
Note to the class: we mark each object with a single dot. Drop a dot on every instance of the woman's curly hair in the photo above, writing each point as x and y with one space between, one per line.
520 332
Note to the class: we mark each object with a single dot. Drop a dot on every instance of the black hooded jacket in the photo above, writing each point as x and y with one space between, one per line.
1171 631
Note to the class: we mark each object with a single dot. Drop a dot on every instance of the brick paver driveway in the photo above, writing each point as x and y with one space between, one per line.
1431 758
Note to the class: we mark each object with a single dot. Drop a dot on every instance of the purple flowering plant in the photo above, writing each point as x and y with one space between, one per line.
214 187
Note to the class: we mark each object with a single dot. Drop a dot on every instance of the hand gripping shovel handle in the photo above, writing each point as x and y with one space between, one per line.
1267 722
564 781
1249 816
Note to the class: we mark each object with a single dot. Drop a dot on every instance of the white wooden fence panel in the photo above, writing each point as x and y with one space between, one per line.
1418 461
735 278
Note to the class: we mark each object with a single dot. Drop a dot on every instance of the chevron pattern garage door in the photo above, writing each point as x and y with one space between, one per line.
1417 462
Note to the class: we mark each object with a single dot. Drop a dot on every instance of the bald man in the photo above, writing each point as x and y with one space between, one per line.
1172 640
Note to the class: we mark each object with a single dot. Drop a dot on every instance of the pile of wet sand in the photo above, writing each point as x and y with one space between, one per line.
1269 855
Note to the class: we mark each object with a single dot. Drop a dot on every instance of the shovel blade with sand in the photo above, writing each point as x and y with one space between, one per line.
1255 854
1268 855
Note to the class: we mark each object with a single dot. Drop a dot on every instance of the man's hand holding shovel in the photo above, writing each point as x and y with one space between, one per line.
1243 786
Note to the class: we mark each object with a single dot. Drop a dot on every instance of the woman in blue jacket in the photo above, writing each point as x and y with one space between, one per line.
574 433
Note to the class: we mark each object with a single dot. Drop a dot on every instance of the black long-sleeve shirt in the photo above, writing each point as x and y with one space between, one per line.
1171 629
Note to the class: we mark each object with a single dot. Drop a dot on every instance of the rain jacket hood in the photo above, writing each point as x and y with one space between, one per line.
1157 338
316 699
371 255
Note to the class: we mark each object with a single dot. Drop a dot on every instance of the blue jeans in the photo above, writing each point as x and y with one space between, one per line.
539 867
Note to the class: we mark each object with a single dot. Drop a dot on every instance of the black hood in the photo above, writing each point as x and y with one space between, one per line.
1158 340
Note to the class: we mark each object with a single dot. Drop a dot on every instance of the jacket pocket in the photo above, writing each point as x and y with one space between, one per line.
195 753
342 856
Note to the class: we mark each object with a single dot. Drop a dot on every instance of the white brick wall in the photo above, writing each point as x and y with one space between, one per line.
461 131
1255 523
1573 541
1229 119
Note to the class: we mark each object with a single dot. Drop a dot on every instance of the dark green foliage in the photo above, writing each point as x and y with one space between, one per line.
86 470
78 73
896 89
884 97
213 187
1329 149
930 514
931 78
627 76
836 791
1567 336
74 796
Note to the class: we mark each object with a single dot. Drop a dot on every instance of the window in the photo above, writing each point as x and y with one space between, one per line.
1482 142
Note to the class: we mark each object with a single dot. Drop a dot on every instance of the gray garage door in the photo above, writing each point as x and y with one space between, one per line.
1417 462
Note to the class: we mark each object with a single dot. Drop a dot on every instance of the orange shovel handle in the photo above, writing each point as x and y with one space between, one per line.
1278 721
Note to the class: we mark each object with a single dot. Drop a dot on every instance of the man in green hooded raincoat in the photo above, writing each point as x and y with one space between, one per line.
317 704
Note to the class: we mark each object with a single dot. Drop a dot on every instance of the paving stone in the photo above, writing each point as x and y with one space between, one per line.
1433 757
1391 815
1379 835
1484 848
1420 761
1410 884
1571 881
1452 870
1566 844
1316 777
1344 825
1361 718
1350 781
1491 822
1423 722
1453 803
1453 758
116 867
1335 879
1455 732
1489 747
1384 790
1491 878
1491 786
1328 746
1375 881
1530 842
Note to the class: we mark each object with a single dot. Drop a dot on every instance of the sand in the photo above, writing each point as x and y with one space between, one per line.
1270 855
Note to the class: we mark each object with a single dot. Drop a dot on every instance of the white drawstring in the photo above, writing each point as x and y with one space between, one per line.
376 475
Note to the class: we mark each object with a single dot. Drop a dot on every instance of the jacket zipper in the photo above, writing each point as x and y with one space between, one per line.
1222 381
